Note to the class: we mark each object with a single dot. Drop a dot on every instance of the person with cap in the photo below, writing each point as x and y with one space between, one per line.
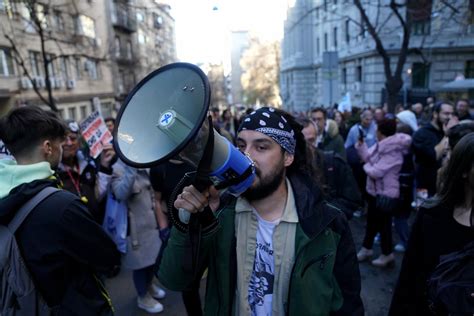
280 248
80 173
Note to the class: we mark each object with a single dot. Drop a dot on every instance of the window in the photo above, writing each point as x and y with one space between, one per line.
58 21
157 20
117 47
335 37
72 113
359 74
348 36
129 50
51 70
140 17
6 62
85 26
420 75
469 73
141 37
61 113
316 77
344 77
92 67
325 5
421 27
35 63
77 66
64 67
325 42
83 110
318 46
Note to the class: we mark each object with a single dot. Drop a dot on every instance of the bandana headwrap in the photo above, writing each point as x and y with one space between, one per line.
266 121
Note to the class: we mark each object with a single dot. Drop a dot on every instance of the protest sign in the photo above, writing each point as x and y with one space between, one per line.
95 133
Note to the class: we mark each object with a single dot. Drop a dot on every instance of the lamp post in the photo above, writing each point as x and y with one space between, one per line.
405 87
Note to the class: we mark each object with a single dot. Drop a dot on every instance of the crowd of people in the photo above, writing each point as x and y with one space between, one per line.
283 247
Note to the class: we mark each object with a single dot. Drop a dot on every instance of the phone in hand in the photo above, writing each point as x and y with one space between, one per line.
361 133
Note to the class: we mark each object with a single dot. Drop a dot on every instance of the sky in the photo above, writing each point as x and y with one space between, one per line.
203 27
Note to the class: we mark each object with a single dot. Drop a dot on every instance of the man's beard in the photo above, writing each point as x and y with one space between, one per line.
267 185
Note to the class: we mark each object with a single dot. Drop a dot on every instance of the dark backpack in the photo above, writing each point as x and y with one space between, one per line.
452 282
18 295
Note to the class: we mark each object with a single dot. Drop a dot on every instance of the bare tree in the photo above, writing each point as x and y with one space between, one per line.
35 17
405 12
217 81
261 67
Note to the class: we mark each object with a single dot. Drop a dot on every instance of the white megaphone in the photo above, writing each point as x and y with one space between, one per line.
164 117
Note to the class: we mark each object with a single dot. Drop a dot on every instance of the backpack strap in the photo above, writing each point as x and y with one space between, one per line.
25 210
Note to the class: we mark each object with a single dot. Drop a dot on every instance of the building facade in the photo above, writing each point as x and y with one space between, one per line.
442 42
96 52
74 36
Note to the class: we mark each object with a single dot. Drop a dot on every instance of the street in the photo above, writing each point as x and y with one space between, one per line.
377 285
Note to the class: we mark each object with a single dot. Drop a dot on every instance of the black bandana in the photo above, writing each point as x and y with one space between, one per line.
266 121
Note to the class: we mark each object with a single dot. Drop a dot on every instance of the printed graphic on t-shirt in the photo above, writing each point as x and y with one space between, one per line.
261 282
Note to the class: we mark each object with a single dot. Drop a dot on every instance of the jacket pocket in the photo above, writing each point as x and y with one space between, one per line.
322 260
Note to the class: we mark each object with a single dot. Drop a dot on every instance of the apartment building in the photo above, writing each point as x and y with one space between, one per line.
74 37
442 48
95 51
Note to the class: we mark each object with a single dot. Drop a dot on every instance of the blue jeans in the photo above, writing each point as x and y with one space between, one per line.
401 227
142 280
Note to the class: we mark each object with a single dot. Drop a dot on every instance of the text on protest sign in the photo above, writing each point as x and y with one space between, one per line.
95 133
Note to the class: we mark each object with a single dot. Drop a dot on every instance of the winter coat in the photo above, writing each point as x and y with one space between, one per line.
93 182
434 233
143 243
332 141
325 276
62 246
424 141
383 163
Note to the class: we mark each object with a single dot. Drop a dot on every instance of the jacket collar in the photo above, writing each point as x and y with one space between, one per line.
313 214
289 214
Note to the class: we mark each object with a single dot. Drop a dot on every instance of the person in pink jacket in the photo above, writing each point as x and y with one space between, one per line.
383 162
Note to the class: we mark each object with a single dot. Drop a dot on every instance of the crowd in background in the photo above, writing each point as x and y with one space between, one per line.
369 162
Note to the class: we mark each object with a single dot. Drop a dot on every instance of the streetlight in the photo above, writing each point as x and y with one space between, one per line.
405 87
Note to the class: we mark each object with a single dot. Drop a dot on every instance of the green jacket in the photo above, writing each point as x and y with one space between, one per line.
325 278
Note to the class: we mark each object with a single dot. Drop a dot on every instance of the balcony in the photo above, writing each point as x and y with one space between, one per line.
125 58
124 20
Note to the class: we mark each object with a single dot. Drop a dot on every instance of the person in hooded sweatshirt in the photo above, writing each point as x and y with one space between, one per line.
383 163
63 248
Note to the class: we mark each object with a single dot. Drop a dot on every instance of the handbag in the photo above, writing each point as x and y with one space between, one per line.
384 203
116 221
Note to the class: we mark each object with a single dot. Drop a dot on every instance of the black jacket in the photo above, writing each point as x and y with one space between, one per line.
342 188
424 141
63 248
434 233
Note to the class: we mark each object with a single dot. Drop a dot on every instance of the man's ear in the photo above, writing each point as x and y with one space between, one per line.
288 159
46 147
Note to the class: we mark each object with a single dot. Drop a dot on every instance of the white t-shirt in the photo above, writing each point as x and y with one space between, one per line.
263 274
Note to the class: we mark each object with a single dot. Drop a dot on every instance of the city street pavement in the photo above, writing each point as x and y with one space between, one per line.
377 285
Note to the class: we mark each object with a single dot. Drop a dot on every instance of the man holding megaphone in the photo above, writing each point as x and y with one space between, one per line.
279 248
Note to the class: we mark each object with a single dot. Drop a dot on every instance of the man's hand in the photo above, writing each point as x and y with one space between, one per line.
108 153
194 201
442 148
